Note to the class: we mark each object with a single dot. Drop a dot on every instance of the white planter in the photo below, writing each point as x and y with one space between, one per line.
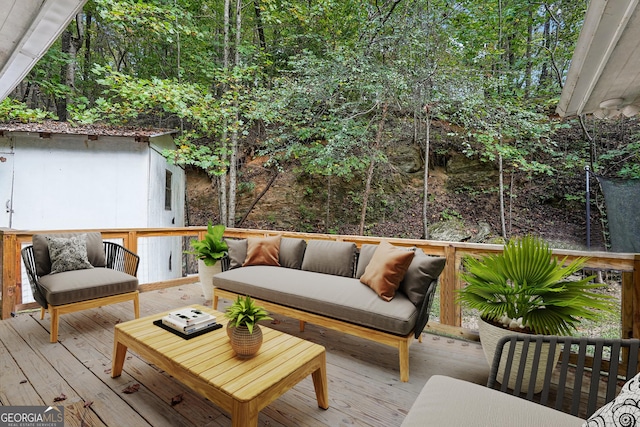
489 337
205 275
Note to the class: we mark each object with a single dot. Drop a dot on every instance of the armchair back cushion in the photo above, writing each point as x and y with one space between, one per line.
95 250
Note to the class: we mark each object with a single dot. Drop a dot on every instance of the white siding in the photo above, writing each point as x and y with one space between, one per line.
166 252
73 182
6 181
68 181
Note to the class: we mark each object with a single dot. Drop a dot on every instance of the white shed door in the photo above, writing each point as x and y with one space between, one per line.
6 188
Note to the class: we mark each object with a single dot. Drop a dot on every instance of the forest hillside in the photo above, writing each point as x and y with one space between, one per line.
328 115
463 195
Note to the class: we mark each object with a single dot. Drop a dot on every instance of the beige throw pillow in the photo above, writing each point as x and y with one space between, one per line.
263 251
386 269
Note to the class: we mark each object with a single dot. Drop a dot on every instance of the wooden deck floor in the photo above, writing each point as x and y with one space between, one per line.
363 377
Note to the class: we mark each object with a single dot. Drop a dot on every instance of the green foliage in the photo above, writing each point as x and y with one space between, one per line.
622 160
313 87
450 214
212 247
245 312
526 282
14 110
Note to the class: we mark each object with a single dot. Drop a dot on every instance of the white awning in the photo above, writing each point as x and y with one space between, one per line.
27 29
604 76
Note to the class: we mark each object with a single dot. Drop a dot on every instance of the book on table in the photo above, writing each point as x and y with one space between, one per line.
180 325
190 316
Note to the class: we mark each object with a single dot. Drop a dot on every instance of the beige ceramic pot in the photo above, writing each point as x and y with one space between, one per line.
205 275
489 337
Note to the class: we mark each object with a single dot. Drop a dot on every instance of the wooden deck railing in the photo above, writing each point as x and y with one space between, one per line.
450 312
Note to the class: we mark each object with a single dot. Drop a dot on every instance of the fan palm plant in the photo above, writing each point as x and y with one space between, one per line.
525 286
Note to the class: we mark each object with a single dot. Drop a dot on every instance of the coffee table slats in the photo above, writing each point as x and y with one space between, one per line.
209 366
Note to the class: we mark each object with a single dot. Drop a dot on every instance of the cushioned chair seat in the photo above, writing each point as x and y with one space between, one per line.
342 298
446 401
82 285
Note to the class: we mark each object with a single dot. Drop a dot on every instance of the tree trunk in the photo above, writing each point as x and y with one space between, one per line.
61 102
544 73
372 164
262 193
502 219
222 179
511 205
70 46
233 161
259 25
529 67
425 192
327 209
87 46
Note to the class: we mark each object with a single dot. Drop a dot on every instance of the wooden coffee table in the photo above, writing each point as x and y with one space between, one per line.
208 365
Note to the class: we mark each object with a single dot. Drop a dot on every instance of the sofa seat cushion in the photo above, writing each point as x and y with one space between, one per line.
446 401
81 285
338 297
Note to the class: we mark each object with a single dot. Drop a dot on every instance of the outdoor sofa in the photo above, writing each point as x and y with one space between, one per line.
322 282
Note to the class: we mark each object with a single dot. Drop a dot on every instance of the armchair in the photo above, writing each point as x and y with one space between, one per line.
107 276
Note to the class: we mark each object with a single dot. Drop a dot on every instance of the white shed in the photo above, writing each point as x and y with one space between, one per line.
54 176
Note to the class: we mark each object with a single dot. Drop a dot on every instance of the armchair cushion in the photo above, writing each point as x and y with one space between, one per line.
68 253
624 410
95 250
81 285
446 401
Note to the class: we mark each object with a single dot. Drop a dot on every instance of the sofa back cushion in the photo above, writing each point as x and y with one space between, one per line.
330 257
263 251
386 269
421 272
292 252
237 252
95 250
366 253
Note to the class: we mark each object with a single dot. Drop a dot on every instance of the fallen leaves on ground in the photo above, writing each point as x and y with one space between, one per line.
131 389
60 398
176 399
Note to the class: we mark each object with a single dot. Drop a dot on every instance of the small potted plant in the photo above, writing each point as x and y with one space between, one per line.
244 333
211 249
525 289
